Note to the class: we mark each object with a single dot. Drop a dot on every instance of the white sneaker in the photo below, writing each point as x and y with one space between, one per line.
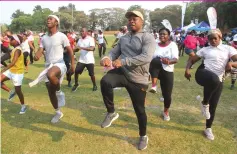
205 111
153 90
61 98
23 110
166 117
56 118
208 133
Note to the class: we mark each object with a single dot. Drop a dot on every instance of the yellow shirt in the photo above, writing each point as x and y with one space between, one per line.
18 68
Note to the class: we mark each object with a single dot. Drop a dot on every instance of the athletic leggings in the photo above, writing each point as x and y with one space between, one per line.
26 54
67 61
116 78
212 90
102 45
6 55
166 80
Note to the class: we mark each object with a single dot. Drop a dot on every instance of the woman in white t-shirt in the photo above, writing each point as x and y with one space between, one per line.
26 50
162 68
210 74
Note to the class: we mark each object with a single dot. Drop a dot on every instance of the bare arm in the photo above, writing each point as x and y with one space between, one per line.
16 56
38 54
31 45
87 49
105 40
115 41
234 63
70 52
191 61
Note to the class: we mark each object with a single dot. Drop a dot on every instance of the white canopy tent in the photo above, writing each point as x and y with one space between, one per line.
185 28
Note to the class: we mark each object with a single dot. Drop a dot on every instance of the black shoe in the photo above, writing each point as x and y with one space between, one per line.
94 88
74 88
232 87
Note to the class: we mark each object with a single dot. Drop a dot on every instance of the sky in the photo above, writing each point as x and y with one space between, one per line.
7 8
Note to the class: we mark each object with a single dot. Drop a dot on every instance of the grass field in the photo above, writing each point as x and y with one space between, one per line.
79 130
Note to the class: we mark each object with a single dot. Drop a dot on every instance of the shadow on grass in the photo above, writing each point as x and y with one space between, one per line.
37 65
10 115
95 111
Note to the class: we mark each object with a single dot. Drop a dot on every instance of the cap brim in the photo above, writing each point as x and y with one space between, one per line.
129 14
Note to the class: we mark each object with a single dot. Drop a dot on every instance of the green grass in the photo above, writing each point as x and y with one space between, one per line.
79 130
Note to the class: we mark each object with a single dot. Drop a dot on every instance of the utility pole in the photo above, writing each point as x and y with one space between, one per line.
72 16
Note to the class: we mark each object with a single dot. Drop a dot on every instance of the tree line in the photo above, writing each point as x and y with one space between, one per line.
113 18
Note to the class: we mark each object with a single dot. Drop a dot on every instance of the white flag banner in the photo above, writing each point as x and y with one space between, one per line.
184 6
212 17
167 24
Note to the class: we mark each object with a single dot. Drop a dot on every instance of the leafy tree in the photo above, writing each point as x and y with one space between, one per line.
19 13
21 23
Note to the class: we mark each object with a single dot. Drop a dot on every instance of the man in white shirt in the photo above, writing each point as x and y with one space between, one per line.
53 43
86 45
101 41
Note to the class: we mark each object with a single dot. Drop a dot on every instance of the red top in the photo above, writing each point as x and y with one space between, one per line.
71 41
191 42
202 40
6 43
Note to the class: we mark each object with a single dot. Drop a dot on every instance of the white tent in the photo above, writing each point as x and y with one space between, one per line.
185 28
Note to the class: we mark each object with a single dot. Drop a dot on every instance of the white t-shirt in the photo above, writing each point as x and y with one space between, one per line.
100 38
216 58
86 57
25 46
30 38
170 51
54 47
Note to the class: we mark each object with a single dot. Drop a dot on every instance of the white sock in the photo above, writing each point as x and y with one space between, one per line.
23 105
144 136
58 111
59 91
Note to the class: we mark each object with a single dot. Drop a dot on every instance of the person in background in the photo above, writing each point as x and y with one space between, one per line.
202 39
5 48
101 41
26 50
86 45
31 43
233 70
191 44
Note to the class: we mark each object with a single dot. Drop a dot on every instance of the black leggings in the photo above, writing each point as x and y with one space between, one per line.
31 56
102 45
116 78
166 80
26 54
5 57
212 90
67 61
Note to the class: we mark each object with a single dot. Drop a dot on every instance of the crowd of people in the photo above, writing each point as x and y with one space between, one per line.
135 57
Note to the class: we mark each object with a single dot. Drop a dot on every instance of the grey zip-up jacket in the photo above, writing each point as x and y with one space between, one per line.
135 52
